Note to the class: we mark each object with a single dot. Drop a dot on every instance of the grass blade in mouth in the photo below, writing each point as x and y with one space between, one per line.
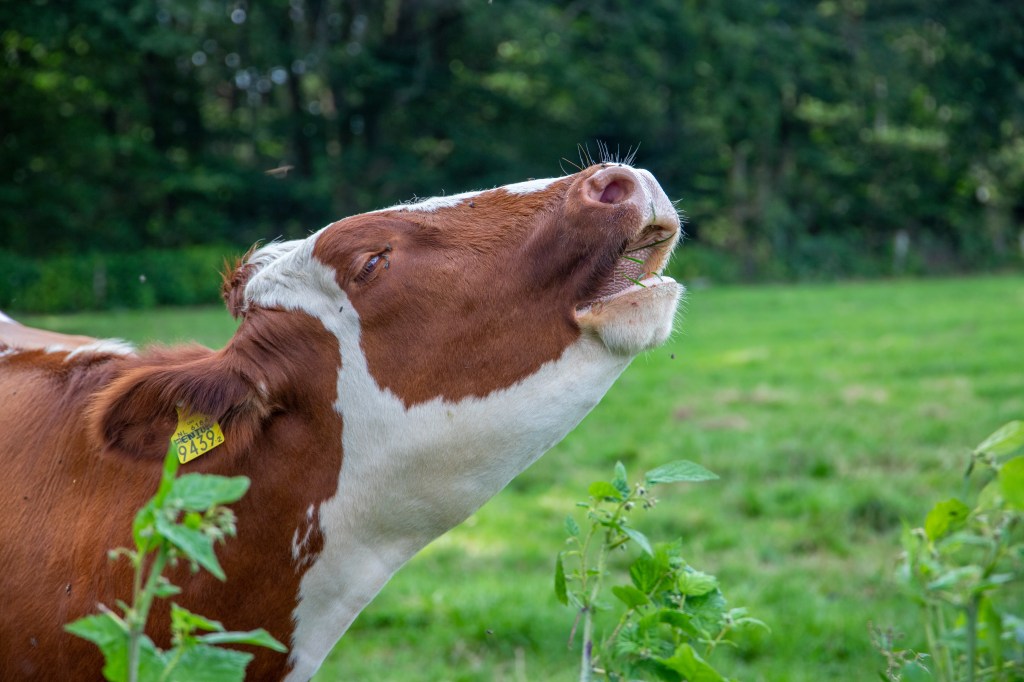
652 244
635 260
635 281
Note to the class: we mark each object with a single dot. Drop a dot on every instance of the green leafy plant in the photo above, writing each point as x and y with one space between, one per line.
671 617
180 523
964 567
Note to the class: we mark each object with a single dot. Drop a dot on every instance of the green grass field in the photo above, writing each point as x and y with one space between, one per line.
832 413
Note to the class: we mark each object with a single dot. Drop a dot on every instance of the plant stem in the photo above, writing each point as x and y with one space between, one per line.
972 635
142 600
585 612
615 633
588 633
588 615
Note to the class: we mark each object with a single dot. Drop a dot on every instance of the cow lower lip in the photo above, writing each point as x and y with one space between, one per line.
632 288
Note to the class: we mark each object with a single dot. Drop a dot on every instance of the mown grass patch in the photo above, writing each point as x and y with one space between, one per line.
832 413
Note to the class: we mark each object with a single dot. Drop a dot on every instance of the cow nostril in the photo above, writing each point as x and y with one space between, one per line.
610 187
613 193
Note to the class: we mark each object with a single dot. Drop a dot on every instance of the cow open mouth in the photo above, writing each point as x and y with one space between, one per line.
638 267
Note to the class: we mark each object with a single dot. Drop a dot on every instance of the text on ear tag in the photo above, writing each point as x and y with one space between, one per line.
196 435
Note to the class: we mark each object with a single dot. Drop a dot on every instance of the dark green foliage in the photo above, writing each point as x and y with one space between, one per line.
805 139
100 281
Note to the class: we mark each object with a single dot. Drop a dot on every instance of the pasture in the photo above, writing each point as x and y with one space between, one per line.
832 414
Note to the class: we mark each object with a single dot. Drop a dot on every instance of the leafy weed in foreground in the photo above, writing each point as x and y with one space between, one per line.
182 521
672 616
964 567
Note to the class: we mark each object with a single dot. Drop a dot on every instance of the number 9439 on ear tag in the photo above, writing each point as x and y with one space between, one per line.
196 435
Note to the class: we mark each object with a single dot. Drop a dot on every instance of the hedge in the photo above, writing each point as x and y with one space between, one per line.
102 281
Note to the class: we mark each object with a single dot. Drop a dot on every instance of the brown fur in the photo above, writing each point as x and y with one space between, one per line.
104 461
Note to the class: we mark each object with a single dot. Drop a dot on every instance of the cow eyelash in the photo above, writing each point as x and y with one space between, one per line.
370 267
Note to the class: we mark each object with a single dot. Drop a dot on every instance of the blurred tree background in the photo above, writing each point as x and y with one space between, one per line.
806 139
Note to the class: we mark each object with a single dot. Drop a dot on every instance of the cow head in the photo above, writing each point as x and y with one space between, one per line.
459 296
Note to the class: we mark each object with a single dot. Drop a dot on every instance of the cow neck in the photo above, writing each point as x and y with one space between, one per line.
412 472
293 363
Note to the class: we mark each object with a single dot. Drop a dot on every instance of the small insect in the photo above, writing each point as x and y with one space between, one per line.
279 172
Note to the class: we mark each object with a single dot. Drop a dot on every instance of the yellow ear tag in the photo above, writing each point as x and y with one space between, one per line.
196 435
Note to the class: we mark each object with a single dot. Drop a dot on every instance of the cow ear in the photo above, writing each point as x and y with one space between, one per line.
137 413
236 276
233 280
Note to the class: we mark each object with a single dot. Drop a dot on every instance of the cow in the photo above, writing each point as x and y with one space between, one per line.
390 373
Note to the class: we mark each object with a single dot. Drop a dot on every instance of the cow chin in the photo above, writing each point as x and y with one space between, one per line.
635 320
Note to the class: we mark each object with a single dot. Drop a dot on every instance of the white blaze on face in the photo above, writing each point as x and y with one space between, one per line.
436 203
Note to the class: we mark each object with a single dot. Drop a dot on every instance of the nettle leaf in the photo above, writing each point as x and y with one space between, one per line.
152 661
101 629
992 633
912 671
629 641
1005 441
706 610
111 636
680 620
170 470
195 544
258 637
571 527
560 589
691 666
619 482
955 576
199 492
944 518
695 583
646 572
601 490
740 619
678 471
639 538
630 596
165 588
991 496
142 525
204 663
1011 482
183 620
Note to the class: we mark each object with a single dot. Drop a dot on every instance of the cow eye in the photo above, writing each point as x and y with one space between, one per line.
372 265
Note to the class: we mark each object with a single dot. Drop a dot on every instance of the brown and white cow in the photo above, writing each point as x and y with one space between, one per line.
390 374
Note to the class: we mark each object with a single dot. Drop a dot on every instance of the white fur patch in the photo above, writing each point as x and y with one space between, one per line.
435 203
273 251
101 347
530 186
5 318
